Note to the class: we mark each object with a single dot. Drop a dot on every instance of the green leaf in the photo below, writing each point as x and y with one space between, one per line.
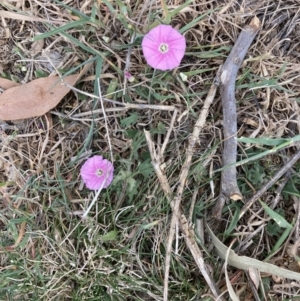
131 120
280 241
61 29
40 73
161 129
195 21
146 169
291 189
126 176
256 173
167 16
262 84
70 8
260 155
131 133
196 72
234 221
244 262
151 225
264 141
8 183
111 88
279 219
273 229
110 7
111 235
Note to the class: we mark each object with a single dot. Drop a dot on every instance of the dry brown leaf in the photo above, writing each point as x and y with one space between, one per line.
35 98
254 275
37 47
6 84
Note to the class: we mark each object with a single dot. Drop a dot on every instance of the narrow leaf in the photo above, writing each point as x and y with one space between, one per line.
109 236
231 291
244 262
264 141
279 219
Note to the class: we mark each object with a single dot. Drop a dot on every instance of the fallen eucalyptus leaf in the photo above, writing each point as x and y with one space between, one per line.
7 84
244 262
35 98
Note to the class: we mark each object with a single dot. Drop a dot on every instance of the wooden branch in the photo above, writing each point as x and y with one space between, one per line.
226 79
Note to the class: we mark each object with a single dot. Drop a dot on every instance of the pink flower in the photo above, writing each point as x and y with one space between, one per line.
163 47
127 74
129 77
97 172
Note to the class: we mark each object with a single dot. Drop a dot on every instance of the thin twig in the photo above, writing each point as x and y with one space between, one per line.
186 229
183 175
175 203
227 78
282 184
105 119
166 140
277 176
126 105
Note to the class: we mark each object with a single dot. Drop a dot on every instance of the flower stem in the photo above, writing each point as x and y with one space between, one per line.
93 201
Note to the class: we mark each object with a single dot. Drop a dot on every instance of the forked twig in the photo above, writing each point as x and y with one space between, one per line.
227 78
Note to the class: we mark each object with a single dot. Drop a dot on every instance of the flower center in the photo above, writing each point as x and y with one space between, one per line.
99 172
163 48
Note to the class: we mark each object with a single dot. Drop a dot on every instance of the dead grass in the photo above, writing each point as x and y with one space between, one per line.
118 253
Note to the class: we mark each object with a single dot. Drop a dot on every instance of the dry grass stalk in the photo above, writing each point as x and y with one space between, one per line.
183 176
175 203
186 229
22 17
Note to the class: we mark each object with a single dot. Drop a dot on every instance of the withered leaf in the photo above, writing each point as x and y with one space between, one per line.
35 98
7 84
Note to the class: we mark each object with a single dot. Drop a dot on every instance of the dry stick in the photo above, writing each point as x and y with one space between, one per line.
126 105
186 229
166 140
282 184
227 79
277 176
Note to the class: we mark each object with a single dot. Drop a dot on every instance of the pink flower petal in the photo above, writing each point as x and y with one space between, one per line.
163 34
90 172
154 59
